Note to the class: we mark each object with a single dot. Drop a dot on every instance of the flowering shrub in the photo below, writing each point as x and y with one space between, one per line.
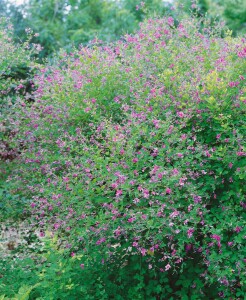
16 66
134 157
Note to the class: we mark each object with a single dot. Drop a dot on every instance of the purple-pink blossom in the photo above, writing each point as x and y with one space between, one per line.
190 232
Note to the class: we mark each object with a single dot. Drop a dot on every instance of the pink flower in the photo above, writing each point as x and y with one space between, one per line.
122 151
135 160
175 171
117 232
72 254
197 199
167 267
233 84
56 225
216 237
174 214
156 123
152 249
102 240
118 193
182 181
180 114
143 251
190 232
242 53
170 21
145 193
168 191
170 129
114 185
82 266
87 109
20 86
238 229
188 247
241 153
174 252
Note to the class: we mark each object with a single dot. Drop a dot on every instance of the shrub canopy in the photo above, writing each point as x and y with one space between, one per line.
16 67
133 153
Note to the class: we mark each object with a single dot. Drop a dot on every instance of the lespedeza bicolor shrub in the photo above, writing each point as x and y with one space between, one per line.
17 66
17 62
135 160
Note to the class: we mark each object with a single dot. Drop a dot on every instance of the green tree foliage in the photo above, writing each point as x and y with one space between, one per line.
232 12
188 6
63 23
15 14
47 18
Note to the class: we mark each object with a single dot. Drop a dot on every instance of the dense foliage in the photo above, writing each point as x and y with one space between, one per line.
17 64
134 157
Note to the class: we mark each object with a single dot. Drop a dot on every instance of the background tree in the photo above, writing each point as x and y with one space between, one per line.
233 12
16 15
64 23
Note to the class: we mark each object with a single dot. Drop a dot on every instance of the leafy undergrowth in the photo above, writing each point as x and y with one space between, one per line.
134 157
